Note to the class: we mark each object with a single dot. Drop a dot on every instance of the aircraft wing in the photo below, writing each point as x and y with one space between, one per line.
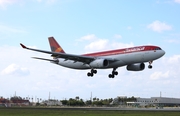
84 59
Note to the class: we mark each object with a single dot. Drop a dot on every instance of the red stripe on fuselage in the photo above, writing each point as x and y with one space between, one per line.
123 51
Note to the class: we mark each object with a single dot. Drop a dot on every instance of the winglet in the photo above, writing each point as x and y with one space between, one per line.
23 46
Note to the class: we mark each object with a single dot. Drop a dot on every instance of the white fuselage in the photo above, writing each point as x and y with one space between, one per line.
119 59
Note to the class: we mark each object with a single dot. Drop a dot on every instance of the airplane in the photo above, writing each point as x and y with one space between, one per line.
133 58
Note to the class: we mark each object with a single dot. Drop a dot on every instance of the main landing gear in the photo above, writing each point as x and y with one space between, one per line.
150 66
114 72
92 72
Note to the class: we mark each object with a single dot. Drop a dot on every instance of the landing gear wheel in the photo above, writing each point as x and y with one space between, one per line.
150 66
91 73
94 71
115 73
88 74
110 75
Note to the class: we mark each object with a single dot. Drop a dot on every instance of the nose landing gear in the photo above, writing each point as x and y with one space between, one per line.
150 66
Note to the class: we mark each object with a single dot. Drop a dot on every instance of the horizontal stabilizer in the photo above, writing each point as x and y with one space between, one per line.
51 60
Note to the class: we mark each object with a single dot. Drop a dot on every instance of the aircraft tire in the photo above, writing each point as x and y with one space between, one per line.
94 71
115 73
110 75
92 74
150 66
88 74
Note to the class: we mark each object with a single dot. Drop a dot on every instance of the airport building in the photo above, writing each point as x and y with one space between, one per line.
51 103
156 101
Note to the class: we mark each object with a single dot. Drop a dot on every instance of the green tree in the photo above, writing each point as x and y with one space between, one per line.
64 102
77 97
88 102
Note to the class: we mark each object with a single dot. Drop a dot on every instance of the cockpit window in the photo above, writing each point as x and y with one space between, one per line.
157 48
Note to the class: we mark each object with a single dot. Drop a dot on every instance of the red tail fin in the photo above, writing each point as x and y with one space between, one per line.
55 47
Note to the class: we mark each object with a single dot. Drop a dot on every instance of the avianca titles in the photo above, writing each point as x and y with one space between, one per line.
133 58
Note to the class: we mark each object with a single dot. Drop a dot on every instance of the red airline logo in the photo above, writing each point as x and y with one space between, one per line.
136 49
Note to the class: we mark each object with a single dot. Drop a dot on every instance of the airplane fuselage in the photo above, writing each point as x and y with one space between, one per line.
120 57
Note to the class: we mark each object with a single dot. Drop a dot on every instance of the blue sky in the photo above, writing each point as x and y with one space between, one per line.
82 26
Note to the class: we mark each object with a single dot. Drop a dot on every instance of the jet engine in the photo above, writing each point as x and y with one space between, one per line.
99 63
136 67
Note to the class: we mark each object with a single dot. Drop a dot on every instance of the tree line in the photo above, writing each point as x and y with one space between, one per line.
97 101
94 101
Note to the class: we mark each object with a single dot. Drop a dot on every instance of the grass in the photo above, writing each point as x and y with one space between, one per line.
61 112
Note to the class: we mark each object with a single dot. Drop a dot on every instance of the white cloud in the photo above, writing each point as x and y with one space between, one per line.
7 30
5 3
129 27
14 69
50 1
47 1
116 45
159 75
176 41
104 44
39 0
171 65
88 37
173 59
159 26
177 1
97 45
117 36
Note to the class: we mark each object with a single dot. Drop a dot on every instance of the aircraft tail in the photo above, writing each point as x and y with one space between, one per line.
55 47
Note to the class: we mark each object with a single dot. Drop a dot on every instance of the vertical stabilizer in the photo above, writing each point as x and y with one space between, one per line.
55 47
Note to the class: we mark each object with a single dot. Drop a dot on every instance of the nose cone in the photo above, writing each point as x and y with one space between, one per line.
162 52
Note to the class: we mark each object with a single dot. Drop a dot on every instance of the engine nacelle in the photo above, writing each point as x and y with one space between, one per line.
99 63
136 67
